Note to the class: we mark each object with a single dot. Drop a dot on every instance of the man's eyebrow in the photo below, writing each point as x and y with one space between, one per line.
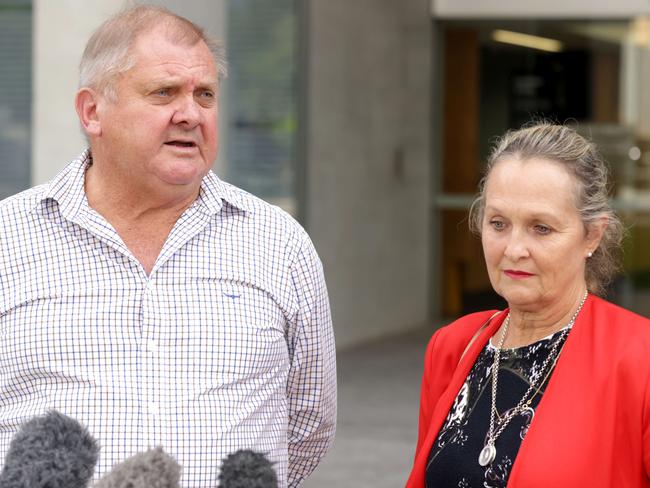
212 84
174 81
166 81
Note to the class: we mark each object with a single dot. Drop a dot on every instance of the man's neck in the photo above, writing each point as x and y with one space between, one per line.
118 198
142 217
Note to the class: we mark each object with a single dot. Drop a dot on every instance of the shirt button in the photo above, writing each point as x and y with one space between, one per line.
153 409
151 346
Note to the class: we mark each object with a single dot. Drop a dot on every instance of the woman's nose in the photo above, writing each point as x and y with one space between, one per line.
516 247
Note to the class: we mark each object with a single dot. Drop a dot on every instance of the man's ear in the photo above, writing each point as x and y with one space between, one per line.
596 231
86 104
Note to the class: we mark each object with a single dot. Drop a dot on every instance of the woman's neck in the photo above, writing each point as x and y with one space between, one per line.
528 326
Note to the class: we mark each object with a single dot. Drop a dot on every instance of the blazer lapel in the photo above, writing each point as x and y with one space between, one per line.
459 376
565 390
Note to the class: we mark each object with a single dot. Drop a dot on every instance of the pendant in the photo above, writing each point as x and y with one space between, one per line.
488 453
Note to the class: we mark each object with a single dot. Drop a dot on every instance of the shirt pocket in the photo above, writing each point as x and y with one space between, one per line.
226 332
69 334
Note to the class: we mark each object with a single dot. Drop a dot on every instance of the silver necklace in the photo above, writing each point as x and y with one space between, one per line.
489 451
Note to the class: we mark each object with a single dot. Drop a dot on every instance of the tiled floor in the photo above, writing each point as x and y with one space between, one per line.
377 422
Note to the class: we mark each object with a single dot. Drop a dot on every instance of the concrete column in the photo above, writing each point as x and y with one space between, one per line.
368 156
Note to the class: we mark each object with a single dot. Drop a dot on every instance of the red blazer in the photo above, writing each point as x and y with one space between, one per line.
592 426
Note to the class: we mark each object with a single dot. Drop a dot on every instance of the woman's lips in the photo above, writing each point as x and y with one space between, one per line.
516 274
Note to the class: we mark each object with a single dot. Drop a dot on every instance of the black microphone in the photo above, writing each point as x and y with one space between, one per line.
50 451
151 469
247 469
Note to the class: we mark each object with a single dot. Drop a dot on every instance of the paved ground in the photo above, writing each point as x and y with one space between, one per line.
377 422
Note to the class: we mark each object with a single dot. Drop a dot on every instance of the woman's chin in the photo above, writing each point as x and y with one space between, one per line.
521 298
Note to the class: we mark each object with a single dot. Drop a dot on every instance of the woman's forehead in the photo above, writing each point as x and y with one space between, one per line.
542 184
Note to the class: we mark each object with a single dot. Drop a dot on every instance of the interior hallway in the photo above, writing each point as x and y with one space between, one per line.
377 421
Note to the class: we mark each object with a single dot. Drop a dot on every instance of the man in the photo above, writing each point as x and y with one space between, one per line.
148 299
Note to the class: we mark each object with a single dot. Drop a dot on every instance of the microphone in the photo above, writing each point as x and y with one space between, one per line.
50 451
247 469
151 469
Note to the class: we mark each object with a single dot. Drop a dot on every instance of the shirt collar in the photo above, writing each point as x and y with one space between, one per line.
67 189
215 191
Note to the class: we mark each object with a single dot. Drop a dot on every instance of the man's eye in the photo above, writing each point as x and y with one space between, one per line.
162 92
542 229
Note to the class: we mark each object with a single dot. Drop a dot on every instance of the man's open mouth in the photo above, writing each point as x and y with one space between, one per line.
180 144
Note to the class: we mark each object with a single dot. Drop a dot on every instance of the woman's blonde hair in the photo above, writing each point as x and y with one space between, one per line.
581 158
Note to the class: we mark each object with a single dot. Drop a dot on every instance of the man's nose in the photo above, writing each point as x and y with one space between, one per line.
187 112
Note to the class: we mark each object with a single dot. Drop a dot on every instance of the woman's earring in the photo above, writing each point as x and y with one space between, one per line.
589 254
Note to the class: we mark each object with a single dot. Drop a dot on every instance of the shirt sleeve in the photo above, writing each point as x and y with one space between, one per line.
311 386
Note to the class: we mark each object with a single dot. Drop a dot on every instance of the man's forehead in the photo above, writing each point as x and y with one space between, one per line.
158 46
170 66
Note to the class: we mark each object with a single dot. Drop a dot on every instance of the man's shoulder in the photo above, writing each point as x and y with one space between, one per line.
21 204
25 202
262 212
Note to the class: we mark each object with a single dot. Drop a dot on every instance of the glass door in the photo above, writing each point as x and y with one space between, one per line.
498 74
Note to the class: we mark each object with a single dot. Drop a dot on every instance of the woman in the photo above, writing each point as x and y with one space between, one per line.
570 405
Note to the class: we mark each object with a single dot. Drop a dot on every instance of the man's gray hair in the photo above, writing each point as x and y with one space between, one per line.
109 50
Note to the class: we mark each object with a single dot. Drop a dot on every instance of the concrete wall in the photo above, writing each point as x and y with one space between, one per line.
581 9
368 174
61 29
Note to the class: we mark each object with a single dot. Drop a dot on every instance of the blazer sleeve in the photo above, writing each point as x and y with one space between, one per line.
646 428
428 398
443 354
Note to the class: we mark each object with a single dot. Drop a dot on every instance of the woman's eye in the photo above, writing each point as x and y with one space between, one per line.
497 224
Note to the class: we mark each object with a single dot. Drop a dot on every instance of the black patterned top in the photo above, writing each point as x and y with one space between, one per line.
453 460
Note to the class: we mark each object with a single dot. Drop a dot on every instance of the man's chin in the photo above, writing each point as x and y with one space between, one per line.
182 182
185 173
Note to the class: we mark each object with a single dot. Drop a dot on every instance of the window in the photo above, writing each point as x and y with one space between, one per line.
15 95
261 146
501 73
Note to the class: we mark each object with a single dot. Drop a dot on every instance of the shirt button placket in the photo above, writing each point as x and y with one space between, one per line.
150 366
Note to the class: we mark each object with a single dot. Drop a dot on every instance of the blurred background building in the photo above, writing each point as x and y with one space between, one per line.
369 120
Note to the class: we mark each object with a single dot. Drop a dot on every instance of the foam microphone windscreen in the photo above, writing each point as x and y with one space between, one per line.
151 469
247 469
50 451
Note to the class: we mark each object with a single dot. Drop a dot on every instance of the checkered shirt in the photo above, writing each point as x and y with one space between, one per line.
227 344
